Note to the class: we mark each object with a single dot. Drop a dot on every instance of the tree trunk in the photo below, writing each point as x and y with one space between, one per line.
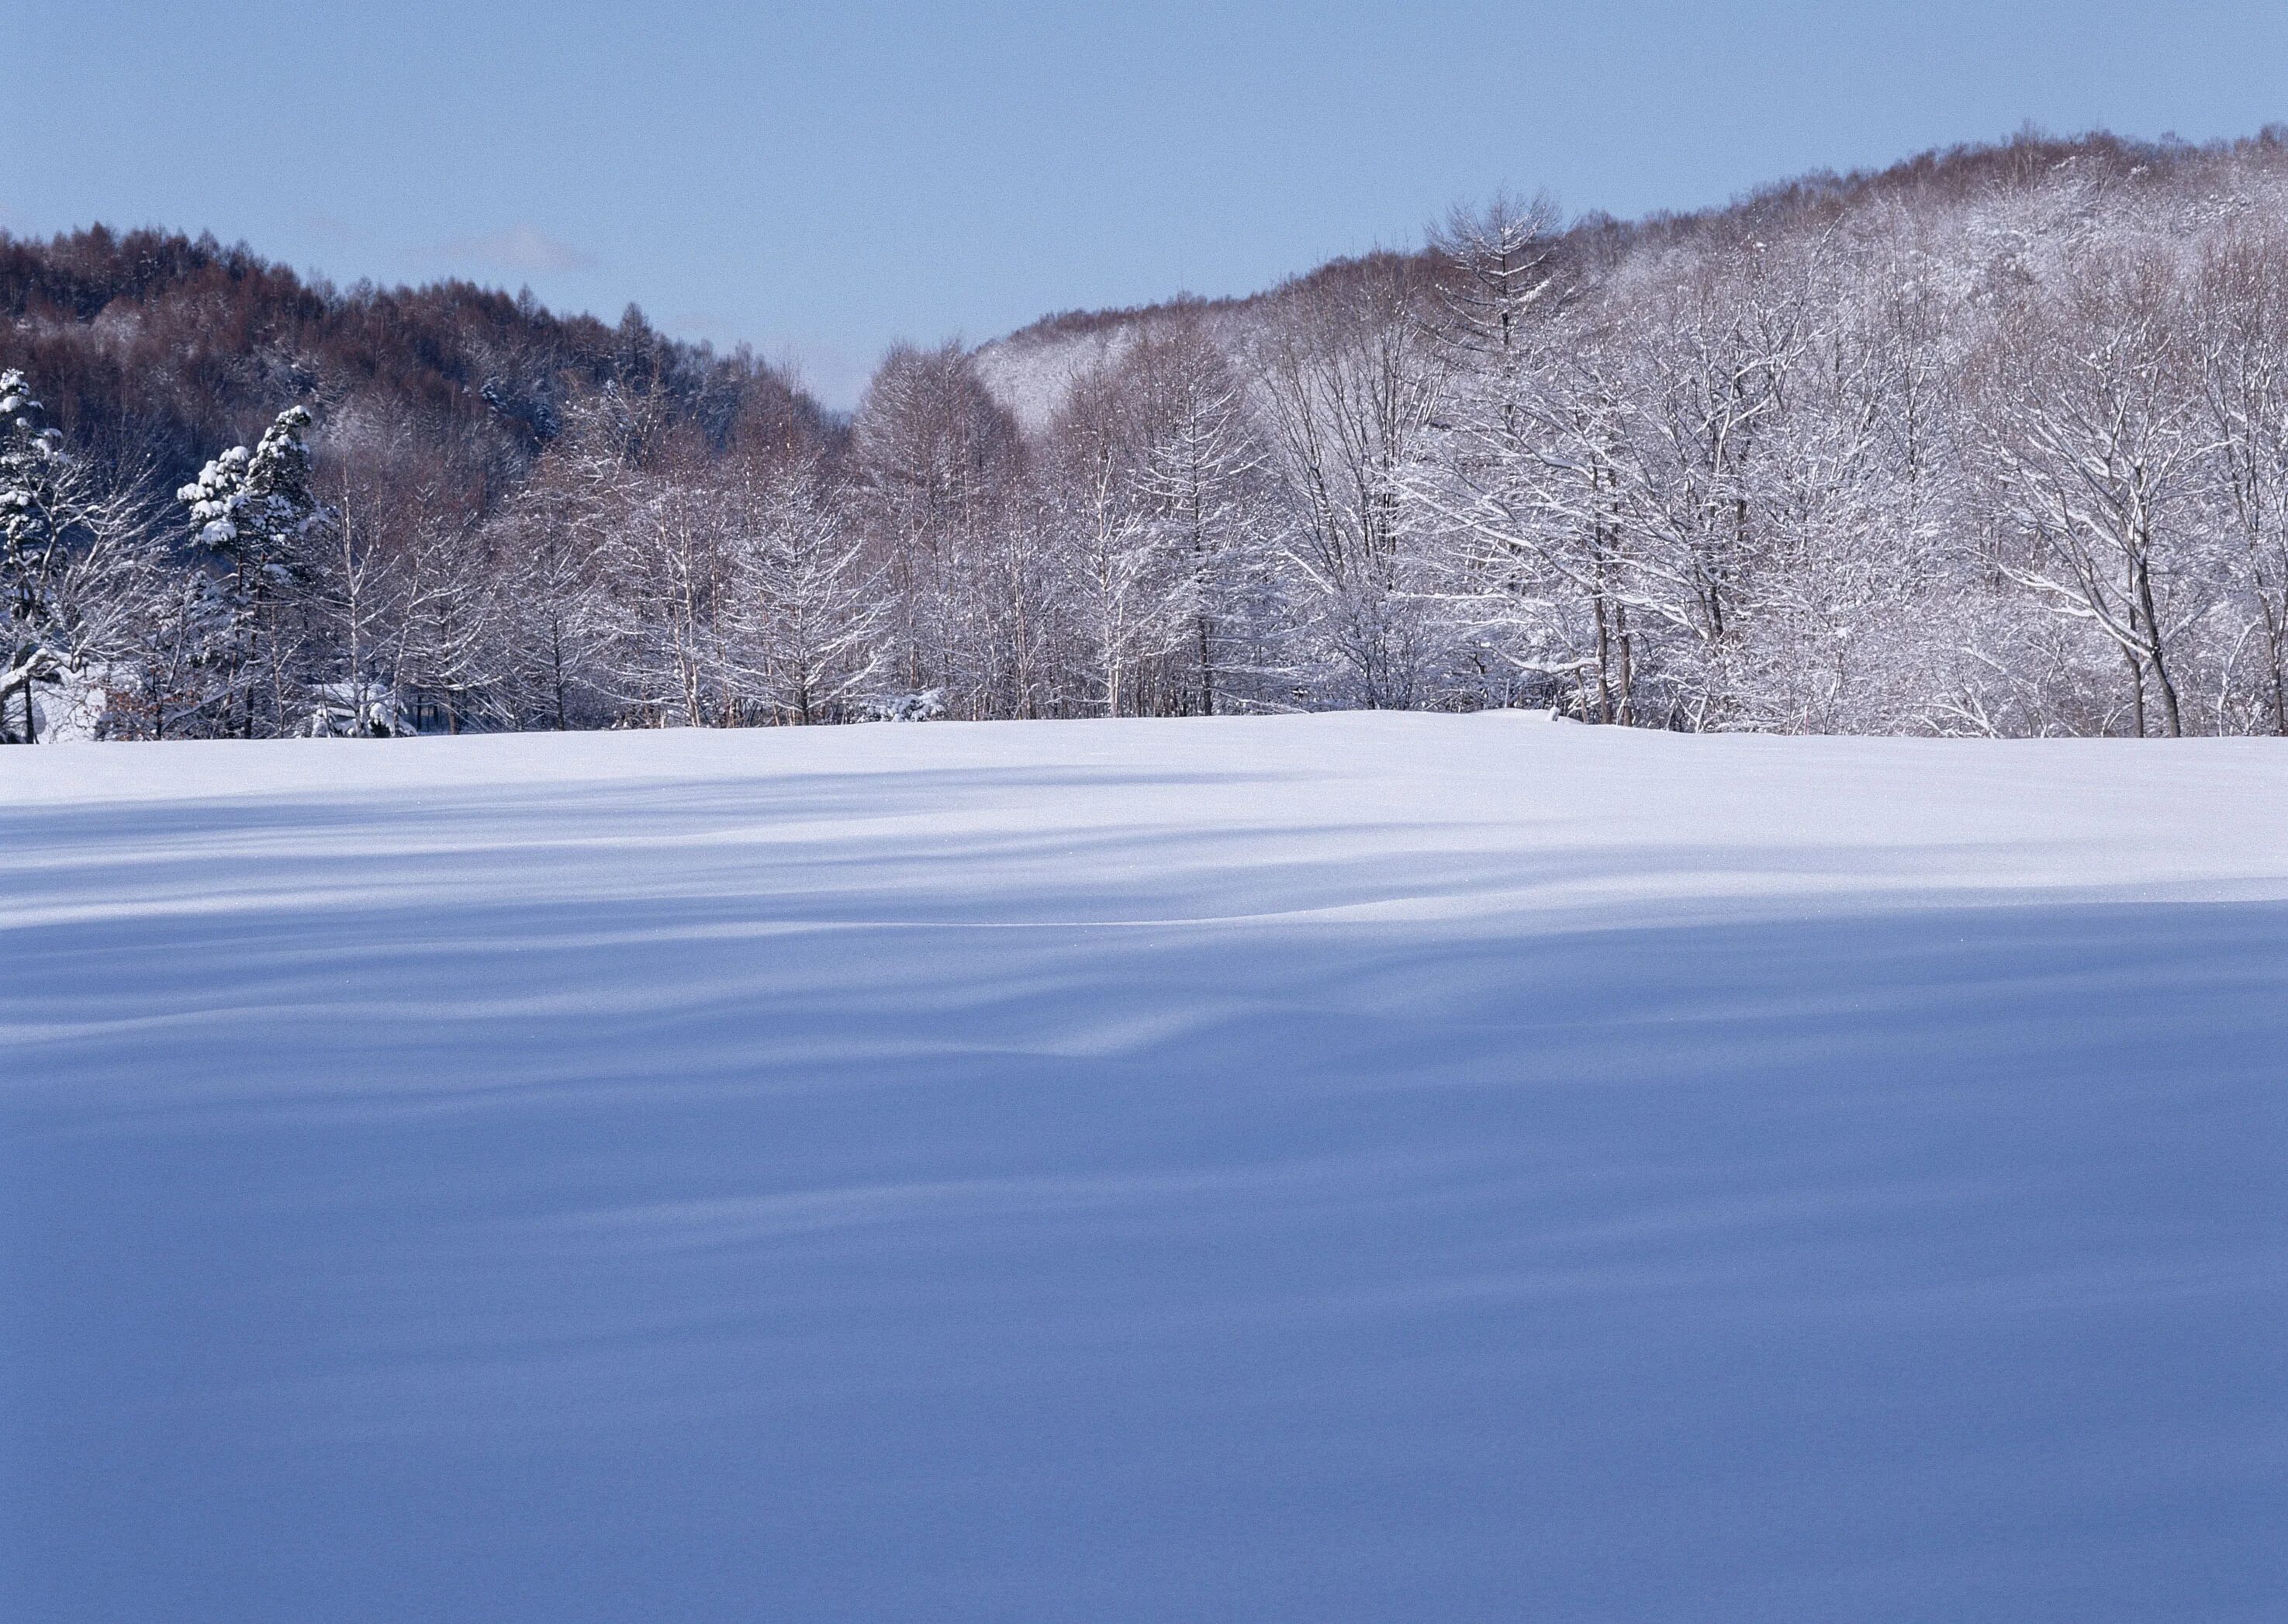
1626 712
2170 711
1207 673
2276 640
1604 663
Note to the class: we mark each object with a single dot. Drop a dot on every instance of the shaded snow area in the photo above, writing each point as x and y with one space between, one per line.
1390 1168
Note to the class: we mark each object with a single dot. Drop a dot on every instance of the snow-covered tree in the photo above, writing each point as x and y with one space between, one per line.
33 520
1202 481
2241 332
253 510
2095 433
547 542
938 463
814 609
1351 379
83 576
1122 590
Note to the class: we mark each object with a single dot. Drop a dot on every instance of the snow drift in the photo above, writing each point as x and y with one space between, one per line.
1351 1168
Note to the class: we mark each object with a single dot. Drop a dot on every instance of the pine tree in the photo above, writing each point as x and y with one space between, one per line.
32 525
254 510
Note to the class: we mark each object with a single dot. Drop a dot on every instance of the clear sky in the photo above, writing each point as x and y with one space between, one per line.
822 178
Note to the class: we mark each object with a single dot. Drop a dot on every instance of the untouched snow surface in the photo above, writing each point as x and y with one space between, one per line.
1314 1169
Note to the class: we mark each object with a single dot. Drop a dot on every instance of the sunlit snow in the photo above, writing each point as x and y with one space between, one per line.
1376 1167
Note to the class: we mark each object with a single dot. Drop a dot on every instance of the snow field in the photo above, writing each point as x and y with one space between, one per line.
1370 1167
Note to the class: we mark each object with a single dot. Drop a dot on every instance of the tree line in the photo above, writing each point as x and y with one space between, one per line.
1993 442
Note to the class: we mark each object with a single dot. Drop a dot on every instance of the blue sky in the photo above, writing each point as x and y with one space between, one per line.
819 180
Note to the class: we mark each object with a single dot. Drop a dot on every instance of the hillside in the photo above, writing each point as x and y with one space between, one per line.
151 345
1333 1168
151 341
2021 181
1992 442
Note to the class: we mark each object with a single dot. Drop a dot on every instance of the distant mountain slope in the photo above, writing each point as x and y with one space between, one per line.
2028 186
153 345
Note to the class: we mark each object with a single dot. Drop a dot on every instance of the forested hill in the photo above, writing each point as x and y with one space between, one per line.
1993 442
154 348
2085 180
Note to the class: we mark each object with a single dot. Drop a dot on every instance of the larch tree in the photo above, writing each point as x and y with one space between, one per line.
1201 479
813 607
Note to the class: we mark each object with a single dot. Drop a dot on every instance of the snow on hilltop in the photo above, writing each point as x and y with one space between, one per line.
1031 373
1367 1167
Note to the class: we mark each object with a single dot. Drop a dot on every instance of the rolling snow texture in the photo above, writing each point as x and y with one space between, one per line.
1374 1167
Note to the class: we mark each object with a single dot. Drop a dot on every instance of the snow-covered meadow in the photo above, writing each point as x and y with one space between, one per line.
1367 1167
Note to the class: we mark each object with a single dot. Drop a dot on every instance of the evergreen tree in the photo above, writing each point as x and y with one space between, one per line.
255 511
32 525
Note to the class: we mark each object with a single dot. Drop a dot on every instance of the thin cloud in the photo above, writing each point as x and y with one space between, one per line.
521 248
